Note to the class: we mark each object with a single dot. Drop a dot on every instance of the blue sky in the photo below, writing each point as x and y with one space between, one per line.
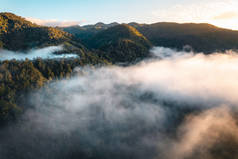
87 10
223 13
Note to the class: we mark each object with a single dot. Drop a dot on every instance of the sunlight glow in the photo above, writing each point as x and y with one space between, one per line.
222 13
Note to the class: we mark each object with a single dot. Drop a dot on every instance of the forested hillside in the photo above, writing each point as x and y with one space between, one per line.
87 31
201 37
18 78
121 43
19 34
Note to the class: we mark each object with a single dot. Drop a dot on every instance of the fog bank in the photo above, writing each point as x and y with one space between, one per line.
178 106
44 53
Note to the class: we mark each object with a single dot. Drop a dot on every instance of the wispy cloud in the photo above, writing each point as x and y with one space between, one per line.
226 15
53 22
43 53
222 13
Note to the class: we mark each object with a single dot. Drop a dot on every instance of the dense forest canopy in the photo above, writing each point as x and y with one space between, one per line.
18 33
17 78
201 37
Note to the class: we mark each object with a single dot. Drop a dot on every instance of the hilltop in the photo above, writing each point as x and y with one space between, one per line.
120 43
87 31
115 42
19 34
112 42
202 37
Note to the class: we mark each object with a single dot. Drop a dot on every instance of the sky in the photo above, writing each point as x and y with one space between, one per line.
223 13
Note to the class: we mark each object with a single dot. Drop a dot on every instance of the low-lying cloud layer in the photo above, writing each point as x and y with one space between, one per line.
54 22
182 106
44 53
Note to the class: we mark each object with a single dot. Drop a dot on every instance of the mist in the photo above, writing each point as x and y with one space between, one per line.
176 105
43 53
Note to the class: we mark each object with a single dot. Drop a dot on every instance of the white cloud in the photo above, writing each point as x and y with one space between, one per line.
202 12
201 132
53 22
226 15
43 53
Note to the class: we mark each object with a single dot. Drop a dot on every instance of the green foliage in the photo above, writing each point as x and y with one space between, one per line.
121 43
1 44
18 78
114 34
87 32
8 112
202 37
19 34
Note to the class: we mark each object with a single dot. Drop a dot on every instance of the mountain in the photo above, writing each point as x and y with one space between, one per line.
16 33
135 25
115 42
106 43
87 31
101 25
120 43
201 37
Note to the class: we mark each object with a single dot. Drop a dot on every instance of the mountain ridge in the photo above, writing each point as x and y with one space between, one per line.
19 34
202 37
16 33
122 43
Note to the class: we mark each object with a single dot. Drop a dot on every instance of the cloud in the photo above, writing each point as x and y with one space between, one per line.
53 22
201 133
201 12
44 53
227 15
183 105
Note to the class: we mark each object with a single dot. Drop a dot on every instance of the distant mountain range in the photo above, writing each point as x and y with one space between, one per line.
87 31
201 37
114 42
